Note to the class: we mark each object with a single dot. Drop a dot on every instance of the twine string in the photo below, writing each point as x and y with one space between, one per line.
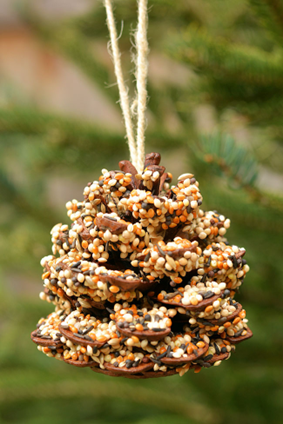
123 89
141 79
136 147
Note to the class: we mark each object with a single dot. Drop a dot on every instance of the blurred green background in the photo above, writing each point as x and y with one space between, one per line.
215 108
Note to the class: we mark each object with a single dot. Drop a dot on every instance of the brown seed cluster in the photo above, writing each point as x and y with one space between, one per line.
143 281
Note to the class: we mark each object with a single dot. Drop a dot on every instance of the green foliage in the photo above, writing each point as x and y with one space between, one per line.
228 159
225 60
240 73
270 14
234 54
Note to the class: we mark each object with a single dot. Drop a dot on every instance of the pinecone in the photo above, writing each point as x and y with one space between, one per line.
143 282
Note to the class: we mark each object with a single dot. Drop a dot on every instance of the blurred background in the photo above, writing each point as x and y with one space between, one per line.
215 108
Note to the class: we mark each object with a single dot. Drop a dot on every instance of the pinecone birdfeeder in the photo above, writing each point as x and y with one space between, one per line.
143 281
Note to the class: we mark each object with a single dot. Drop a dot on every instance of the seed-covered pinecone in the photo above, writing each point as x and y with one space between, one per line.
143 281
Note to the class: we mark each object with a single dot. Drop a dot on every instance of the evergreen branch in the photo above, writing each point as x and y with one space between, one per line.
238 207
261 108
237 165
224 61
66 131
231 160
235 94
21 201
29 388
277 11
270 14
